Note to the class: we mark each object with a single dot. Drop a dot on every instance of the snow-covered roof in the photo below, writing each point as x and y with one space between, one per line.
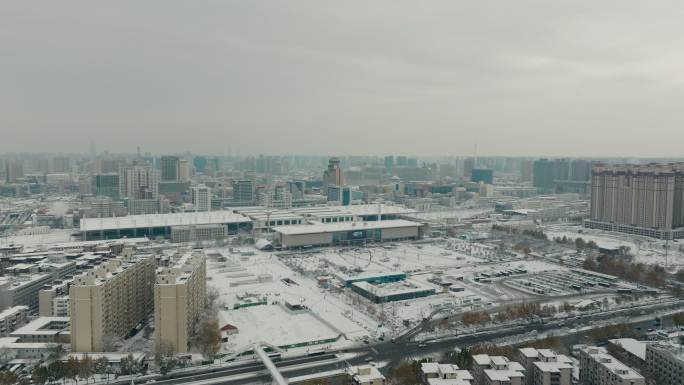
343 226
162 220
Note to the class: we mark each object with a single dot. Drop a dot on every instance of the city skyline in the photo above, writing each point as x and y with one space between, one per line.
353 78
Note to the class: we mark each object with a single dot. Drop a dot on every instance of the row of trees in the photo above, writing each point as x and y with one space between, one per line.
652 275
521 311
579 243
476 317
534 233
84 369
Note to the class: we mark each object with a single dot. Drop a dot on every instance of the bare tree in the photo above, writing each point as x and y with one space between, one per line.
208 337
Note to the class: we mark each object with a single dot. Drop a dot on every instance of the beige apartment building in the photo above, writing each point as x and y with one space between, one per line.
179 298
111 300
638 199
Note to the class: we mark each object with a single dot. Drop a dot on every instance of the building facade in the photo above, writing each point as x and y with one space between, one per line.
111 300
638 199
597 367
179 299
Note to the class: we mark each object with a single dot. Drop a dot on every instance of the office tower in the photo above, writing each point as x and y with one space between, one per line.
389 162
243 191
179 299
297 188
200 196
485 175
61 164
170 168
110 300
543 174
597 367
106 185
412 162
138 182
200 163
183 171
638 199
333 174
339 194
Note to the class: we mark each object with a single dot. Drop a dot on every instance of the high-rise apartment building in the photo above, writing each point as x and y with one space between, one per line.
61 164
597 367
111 300
201 197
13 171
184 171
543 174
170 168
138 182
638 199
179 300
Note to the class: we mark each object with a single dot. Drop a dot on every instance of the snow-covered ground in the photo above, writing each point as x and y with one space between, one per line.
645 249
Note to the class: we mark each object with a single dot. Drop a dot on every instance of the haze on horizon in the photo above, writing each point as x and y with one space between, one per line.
571 78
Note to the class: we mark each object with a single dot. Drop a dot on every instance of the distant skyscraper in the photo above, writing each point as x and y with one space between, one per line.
138 182
332 176
543 175
61 164
485 175
170 168
201 197
200 163
183 170
389 162
468 166
13 171
638 199
243 191
106 185
401 161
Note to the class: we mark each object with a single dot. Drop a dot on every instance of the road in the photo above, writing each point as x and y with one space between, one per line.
393 353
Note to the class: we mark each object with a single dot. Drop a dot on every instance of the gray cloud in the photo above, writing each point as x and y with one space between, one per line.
353 77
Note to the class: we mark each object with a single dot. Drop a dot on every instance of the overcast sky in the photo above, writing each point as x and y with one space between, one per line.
521 77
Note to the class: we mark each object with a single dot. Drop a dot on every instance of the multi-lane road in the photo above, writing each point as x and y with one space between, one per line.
391 353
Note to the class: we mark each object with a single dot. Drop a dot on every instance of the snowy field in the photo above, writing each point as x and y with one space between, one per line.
273 324
645 249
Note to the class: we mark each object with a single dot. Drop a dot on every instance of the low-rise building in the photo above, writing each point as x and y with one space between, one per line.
12 318
497 370
22 290
545 367
444 374
44 330
597 367
366 375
